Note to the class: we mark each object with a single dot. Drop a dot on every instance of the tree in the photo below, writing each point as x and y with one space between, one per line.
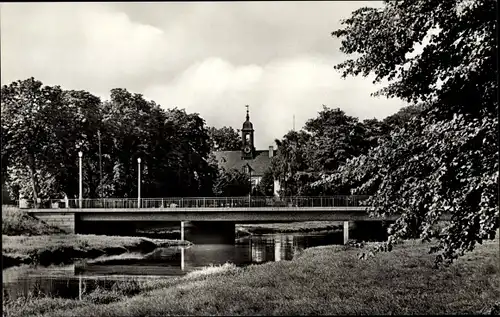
28 108
266 185
43 128
290 159
224 139
445 159
374 131
403 116
231 183
195 172
173 145
4 160
336 138
324 144
75 129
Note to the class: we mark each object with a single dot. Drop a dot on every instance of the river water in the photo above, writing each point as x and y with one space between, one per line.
66 281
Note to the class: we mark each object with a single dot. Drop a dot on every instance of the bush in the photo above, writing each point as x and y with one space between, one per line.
102 296
127 288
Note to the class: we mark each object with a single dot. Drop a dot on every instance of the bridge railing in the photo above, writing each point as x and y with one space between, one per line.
203 202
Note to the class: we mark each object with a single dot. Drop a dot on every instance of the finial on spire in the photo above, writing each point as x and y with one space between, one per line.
248 115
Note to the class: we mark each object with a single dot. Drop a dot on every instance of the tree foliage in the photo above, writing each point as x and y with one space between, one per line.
335 138
35 119
402 117
225 139
444 160
43 128
266 185
232 182
290 160
323 145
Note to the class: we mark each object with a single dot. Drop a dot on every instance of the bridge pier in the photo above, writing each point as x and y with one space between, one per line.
208 232
346 231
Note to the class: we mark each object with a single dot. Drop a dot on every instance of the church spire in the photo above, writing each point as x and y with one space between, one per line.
247 138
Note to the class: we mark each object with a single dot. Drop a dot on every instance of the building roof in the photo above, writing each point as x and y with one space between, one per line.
232 159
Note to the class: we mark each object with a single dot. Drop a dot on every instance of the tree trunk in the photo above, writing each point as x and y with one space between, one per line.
90 179
34 184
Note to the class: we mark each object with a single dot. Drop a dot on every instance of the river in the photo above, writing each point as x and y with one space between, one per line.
66 281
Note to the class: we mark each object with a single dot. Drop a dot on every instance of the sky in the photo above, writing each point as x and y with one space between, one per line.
212 58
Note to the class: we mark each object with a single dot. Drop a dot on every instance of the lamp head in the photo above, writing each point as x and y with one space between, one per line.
139 160
80 153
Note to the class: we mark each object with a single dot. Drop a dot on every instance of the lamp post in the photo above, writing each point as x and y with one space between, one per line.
250 193
80 154
100 163
139 182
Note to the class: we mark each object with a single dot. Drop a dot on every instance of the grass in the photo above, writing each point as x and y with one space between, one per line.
65 248
307 226
28 240
320 281
17 222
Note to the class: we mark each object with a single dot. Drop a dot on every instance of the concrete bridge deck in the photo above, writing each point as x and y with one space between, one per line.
236 214
207 212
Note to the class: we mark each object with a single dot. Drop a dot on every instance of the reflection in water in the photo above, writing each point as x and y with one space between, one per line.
182 258
74 280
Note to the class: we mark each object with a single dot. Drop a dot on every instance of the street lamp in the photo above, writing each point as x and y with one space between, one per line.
80 154
100 163
251 185
139 182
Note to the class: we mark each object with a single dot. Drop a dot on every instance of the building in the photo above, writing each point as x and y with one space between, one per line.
248 159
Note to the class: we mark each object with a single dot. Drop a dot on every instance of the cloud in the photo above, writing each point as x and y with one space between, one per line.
275 92
81 46
210 58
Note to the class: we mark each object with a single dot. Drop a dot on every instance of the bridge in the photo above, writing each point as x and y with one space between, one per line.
209 215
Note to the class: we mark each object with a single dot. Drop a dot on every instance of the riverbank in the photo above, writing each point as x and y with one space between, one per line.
328 280
27 240
17 222
66 248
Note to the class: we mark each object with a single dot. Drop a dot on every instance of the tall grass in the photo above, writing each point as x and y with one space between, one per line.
18 222
321 281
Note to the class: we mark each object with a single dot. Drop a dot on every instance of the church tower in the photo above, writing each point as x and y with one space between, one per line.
248 149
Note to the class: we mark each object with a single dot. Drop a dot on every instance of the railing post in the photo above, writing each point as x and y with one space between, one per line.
204 202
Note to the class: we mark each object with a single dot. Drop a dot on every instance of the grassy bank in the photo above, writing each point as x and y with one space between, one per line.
307 226
27 240
65 248
324 280
17 222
